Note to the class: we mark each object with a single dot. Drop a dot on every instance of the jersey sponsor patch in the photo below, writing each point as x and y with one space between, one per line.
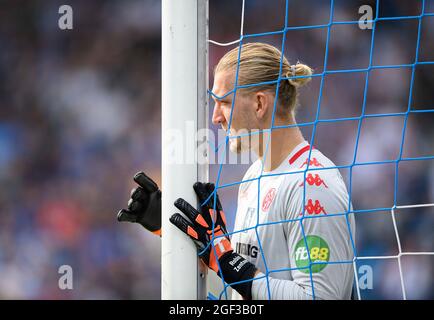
268 199
246 249
319 253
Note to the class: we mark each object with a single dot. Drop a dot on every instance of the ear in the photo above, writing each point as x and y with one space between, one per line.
263 104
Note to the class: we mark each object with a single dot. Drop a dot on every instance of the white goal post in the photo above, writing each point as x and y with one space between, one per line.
184 100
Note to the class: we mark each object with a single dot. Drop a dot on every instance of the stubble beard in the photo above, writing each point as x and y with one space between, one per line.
236 145
249 139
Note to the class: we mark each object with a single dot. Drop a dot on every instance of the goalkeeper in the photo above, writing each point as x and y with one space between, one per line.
304 235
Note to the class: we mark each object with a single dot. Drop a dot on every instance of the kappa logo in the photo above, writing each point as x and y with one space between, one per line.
268 199
312 163
313 208
314 179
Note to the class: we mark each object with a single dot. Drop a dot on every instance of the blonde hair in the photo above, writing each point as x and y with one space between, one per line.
260 62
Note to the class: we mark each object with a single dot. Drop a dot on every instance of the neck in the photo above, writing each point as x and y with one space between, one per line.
282 143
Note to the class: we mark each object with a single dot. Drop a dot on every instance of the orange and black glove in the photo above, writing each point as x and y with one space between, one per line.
207 228
144 206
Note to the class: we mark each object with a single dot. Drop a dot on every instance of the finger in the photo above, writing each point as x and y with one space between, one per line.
186 208
210 189
145 182
204 195
191 212
135 206
184 225
139 194
126 215
201 192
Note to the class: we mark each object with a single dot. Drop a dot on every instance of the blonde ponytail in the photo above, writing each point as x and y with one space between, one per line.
299 70
260 62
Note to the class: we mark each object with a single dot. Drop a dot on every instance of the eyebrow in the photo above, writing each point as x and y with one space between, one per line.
225 97
221 99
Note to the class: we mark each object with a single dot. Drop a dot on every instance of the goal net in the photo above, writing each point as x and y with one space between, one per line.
368 108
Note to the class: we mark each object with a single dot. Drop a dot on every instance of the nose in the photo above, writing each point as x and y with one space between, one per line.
217 115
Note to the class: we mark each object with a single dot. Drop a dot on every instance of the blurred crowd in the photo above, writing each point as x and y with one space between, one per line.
80 113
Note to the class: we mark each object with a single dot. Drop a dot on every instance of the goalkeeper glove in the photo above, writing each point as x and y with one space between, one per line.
144 206
200 228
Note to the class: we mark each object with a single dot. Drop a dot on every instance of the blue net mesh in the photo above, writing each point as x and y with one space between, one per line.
364 115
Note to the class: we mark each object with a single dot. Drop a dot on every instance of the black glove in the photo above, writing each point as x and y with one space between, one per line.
199 227
144 207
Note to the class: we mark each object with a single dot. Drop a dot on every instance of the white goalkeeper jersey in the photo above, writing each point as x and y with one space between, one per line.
298 212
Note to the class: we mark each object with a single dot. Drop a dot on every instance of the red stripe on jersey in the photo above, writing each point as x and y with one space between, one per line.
299 153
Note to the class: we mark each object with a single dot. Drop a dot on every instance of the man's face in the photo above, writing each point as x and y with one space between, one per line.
243 118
